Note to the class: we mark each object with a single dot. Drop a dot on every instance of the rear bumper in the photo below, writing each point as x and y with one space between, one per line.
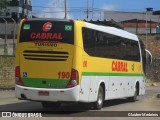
55 95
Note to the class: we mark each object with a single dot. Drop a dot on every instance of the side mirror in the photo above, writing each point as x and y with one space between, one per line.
148 57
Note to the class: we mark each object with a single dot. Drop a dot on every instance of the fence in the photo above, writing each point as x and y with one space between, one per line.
8 31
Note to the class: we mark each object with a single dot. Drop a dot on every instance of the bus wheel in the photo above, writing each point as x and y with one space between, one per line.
100 99
134 98
51 105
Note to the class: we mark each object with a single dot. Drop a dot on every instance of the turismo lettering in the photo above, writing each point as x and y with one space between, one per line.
57 36
119 66
45 44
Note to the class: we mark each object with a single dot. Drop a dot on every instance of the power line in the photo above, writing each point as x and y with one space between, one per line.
92 7
79 10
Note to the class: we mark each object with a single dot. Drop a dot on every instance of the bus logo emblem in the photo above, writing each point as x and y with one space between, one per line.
47 26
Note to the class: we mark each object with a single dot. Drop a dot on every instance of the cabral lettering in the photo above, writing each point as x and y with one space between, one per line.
119 66
57 36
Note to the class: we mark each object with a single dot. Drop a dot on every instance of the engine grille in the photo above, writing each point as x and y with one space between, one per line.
45 55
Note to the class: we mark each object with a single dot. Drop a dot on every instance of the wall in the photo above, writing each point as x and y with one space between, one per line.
7 71
10 28
140 30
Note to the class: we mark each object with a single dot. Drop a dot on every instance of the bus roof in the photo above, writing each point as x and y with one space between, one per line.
112 30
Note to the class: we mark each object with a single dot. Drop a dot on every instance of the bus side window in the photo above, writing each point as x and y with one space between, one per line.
105 45
88 41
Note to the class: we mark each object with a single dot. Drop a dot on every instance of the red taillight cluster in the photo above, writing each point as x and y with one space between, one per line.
18 76
17 70
72 21
74 79
25 19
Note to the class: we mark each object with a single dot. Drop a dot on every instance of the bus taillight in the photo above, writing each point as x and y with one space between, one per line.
72 21
18 76
25 19
74 79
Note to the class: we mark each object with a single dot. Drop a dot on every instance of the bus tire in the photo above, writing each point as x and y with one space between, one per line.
100 99
51 105
134 98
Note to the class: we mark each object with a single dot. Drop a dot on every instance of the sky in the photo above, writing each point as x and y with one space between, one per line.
76 9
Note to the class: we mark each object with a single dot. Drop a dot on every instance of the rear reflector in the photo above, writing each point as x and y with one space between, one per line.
17 71
18 80
74 79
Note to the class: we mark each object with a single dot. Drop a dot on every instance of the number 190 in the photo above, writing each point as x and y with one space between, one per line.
64 75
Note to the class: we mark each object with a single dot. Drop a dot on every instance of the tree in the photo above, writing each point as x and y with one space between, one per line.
3 4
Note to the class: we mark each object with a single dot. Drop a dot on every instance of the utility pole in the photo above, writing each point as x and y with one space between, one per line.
87 10
150 26
23 9
146 28
5 42
92 8
65 7
147 10
14 35
137 26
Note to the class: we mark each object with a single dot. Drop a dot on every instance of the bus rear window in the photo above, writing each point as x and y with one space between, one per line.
50 31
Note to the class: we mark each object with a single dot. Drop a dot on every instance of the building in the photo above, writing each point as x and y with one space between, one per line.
135 22
9 21
18 9
139 26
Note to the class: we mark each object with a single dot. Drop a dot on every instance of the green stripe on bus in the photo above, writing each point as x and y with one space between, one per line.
45 83
109 74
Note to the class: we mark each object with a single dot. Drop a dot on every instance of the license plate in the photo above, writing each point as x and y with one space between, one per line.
43 93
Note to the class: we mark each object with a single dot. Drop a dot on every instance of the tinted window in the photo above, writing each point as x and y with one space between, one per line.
54 31
100 44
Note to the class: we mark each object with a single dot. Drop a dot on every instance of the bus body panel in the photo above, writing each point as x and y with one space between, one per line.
42 60
56 95
89 93
39 70
117 84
